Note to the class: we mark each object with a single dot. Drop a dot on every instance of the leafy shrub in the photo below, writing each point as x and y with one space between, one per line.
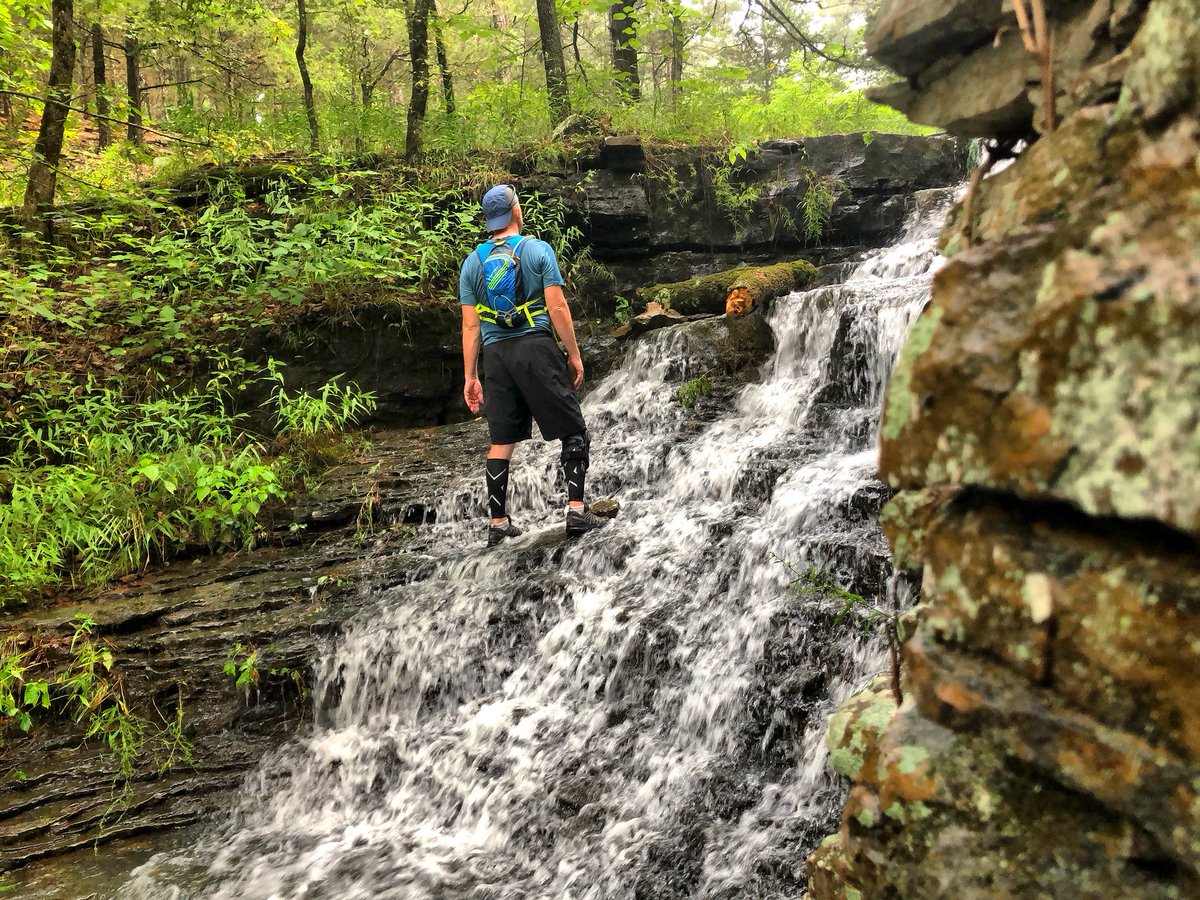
102 486
689 393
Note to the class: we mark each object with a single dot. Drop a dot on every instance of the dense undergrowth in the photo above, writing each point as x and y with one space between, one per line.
124 357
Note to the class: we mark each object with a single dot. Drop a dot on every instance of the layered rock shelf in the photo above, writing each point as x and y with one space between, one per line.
1041 426
649 217
173 631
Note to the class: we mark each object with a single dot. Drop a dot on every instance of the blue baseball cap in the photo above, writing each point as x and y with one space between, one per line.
498 206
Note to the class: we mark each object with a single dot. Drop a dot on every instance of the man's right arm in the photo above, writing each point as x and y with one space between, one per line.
471 341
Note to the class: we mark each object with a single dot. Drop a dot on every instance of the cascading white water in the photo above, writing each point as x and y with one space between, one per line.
617 716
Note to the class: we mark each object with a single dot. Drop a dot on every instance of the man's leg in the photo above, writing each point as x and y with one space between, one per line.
575 463
498 459
580 519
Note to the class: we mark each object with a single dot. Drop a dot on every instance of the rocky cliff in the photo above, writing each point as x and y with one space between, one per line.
648 216
1042 429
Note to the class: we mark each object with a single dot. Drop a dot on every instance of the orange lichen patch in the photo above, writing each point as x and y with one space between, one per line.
958 695
739 302
1096 766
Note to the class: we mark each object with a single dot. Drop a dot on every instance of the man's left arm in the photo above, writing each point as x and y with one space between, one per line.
564 325
556 305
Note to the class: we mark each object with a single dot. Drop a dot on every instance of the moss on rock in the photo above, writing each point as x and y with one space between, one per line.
707 293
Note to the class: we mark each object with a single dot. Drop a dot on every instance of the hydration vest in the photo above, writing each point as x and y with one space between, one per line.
503 299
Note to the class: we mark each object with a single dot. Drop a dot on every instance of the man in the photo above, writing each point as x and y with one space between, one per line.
527 378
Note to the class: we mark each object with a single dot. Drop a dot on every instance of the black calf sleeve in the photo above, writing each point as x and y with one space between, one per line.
575 463
574 470
497 487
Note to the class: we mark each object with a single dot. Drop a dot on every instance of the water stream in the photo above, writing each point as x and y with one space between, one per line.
638 713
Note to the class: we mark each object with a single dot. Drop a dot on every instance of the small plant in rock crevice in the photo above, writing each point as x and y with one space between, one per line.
624 310
689 393
735 199
334 406
250 671
77 677
820 195
866 614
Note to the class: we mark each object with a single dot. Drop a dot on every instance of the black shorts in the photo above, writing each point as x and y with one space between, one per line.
524 380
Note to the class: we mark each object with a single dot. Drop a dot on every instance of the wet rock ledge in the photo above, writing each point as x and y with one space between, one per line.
1041 426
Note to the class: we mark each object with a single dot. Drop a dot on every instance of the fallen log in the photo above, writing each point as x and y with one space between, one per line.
652 317
709 293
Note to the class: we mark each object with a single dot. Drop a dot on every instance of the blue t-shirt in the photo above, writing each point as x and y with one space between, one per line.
539 270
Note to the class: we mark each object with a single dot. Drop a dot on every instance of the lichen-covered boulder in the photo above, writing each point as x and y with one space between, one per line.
940 812
1042 426
1062 360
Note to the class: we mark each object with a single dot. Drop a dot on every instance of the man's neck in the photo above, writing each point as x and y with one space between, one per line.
506 232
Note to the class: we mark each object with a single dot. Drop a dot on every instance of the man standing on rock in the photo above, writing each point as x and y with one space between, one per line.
511 292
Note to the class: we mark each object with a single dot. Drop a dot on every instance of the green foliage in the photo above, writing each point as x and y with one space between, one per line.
307 415
76 677
102 485
744 78
246 668
814 582
734 199
689 393
819 197
867 616
241 664
810 100
975 149
623 310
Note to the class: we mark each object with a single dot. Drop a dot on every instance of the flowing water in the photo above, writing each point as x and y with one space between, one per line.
638 713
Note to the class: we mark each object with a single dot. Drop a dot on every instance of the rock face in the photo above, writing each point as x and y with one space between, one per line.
1042 427
172 634
409 357
967 70
680 200
650 218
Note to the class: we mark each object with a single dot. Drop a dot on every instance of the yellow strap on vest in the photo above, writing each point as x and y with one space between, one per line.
487 314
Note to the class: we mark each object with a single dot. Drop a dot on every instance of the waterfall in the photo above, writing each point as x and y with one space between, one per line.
637 713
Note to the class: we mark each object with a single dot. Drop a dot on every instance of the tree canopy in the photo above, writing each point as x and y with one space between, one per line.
148 86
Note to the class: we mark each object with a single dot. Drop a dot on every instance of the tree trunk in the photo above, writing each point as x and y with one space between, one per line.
310 105
552 54
365 85
676 53
622 29
6 107
133 85
366 89
83 52
39 190
100 77
575 50
444 66
502 21
418 51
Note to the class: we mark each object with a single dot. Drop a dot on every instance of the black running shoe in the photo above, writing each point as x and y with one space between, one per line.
582 521
500 533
